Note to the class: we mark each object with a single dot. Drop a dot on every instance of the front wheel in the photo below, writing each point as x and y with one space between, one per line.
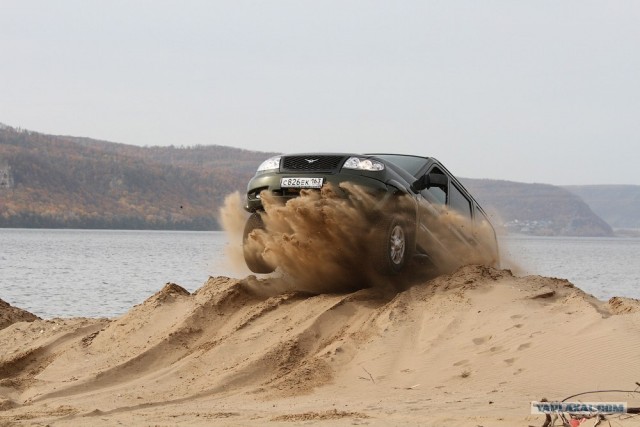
393 245
252 250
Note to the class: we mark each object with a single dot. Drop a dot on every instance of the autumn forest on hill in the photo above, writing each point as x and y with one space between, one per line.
51 181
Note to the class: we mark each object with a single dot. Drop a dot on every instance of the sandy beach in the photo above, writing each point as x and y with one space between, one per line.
472 348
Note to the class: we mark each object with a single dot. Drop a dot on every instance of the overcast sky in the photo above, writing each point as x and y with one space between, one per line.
530 91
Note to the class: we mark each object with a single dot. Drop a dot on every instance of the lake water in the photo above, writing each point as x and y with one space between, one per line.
103 273
604 267
99 273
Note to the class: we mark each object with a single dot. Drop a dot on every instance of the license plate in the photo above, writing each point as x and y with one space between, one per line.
301 182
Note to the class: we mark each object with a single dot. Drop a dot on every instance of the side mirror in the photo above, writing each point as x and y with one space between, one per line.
421 183
430 180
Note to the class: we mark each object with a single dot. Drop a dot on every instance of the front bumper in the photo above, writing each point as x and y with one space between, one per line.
270 182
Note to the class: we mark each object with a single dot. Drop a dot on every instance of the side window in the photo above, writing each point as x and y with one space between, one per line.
459 202
437 192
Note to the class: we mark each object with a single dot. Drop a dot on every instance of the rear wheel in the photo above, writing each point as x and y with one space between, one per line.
393 245
253 251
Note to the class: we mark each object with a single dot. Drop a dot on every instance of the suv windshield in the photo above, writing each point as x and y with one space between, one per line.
411 164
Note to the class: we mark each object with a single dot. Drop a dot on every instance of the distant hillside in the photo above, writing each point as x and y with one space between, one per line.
54 181
619 205
538 209
71 182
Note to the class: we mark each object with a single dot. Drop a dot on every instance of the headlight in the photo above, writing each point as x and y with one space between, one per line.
270 164
363 164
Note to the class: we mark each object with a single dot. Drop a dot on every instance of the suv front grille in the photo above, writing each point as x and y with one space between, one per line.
311 163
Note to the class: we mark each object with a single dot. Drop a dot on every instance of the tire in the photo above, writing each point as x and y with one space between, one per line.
253 259
392 247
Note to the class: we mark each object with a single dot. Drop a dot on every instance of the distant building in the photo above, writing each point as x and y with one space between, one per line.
6 180
533 227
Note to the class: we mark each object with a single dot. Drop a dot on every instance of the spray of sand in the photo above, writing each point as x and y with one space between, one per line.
233 218
460 241
322 241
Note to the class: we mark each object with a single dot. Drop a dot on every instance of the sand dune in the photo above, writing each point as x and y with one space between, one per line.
10 315
471 348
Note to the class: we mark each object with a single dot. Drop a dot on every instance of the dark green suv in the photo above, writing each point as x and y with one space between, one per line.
422 211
